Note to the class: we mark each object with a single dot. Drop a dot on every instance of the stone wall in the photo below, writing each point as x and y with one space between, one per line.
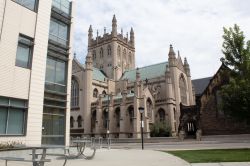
213 118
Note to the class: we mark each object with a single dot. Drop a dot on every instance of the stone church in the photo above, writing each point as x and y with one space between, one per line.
108 90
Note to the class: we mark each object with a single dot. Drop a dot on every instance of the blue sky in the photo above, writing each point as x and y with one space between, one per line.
194 27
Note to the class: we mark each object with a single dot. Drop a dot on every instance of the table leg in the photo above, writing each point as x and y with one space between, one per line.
34 156
41 163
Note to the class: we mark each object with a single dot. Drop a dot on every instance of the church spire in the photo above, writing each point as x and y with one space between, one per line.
114 26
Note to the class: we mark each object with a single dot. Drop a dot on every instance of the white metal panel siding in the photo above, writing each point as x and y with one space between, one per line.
17 19
2 5
67 125
34 128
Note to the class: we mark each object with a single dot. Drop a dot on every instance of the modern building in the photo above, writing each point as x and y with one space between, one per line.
108 90
35 71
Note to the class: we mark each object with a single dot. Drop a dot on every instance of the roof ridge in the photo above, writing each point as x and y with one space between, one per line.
147 66
202 78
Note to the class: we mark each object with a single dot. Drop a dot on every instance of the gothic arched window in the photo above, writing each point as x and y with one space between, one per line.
161 113
94 55
130 58
149 108
124 55
95 93
79 121
71 122
131 113
117 116
93 119
104 93
74 93
119 55
105 118
183 90
109 50
101 53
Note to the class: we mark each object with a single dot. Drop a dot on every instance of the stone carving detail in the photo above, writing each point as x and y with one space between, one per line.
155 90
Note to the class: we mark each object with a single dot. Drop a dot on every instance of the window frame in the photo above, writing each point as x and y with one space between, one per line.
54 83
23 44
58 38
24 109
60 3
35 5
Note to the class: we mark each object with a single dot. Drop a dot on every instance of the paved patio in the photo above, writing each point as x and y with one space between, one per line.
113 157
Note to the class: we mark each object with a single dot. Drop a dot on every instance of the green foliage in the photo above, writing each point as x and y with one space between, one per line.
159 129
236 94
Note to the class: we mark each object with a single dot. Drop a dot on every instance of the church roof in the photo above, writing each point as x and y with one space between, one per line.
146 72
201 84
119 96
98 75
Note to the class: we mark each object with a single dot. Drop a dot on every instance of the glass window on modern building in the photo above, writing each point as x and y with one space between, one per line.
53 126
12 116
55 75
63 5
58 32
30 4
24 52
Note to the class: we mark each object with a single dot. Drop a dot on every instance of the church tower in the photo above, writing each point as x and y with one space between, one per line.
113 53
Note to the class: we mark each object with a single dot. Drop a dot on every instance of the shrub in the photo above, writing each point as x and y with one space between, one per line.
160 129
9 145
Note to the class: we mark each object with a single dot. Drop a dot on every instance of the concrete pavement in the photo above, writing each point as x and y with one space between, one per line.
113 157
118 157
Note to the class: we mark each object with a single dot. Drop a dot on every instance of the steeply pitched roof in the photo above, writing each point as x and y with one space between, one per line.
98 75
148 72
201 84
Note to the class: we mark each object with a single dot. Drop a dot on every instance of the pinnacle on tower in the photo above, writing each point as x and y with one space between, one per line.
114 21
138 75
114 26
90 35
179 56
132 37
186 67
90 29
88 61
185 61
171 53
131 32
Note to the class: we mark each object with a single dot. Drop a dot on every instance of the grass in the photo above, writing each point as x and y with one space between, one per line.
213 155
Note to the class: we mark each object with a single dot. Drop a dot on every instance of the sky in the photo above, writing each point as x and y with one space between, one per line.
194 27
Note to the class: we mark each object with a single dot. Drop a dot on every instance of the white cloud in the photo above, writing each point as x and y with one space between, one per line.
194 27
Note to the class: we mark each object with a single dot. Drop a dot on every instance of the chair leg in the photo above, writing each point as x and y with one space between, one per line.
65 161
6 162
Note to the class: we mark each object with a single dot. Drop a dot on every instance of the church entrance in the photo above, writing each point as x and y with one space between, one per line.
191 128
189 121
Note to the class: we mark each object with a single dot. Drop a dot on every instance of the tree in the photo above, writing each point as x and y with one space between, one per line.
236 94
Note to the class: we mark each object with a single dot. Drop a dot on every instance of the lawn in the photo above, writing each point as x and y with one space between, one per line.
214 155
